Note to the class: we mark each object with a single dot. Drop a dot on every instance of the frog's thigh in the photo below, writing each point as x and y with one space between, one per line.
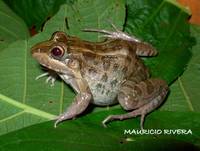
144 97
134 96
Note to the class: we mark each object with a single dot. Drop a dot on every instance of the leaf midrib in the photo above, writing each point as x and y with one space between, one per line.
25 72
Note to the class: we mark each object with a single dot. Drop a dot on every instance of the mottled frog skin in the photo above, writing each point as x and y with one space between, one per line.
103 73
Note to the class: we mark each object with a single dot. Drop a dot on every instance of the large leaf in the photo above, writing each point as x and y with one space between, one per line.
25 101
87 134
12 27
23 95
162 23
185 91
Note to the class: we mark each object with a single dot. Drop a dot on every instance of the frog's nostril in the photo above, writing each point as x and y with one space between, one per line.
35 49
38 50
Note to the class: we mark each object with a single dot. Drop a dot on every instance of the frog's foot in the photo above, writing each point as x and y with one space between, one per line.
61 118
140 99
117 34
51 78
125 116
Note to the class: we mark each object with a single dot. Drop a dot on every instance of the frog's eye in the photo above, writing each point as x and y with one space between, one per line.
57 52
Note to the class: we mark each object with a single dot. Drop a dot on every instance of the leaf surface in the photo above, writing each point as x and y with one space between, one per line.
35 12
185 91
12 27
86 133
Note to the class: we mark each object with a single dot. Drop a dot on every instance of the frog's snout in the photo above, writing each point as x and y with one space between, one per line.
37 52
35 49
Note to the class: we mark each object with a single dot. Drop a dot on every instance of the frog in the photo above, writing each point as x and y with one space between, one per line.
103 73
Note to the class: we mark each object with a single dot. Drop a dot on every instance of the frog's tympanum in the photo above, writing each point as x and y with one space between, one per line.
103 73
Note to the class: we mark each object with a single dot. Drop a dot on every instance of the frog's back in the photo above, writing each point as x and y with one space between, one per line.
105 66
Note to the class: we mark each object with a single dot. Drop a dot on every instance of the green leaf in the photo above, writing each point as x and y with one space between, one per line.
74 18
164 25
34 101
35 12
86 133
24 101
185 91
12 27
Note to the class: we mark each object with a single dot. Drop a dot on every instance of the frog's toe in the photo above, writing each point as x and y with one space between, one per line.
110 118
117 34
98 30
104 125
53 82
48 79
42 75
56 123
124 36
105 121
51 79
58 120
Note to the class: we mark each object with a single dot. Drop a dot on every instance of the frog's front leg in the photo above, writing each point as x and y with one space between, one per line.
51 77
144 97
78 106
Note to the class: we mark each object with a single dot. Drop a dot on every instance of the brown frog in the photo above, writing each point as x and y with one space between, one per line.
103 73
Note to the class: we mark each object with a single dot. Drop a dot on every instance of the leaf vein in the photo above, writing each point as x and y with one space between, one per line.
12 116
12 18
152 15
9 32
27 108
173 29
61 98
187 98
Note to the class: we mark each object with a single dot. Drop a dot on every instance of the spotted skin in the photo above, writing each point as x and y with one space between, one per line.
104 73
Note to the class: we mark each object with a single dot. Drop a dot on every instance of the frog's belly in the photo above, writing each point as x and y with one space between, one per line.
104 92
103 96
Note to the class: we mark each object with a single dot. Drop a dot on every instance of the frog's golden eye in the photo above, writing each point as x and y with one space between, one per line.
57 52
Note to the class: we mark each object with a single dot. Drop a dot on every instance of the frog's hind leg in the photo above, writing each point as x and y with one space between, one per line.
117 34
144 97
142 48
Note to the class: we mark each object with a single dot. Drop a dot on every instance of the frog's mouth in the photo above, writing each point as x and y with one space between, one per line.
53 64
